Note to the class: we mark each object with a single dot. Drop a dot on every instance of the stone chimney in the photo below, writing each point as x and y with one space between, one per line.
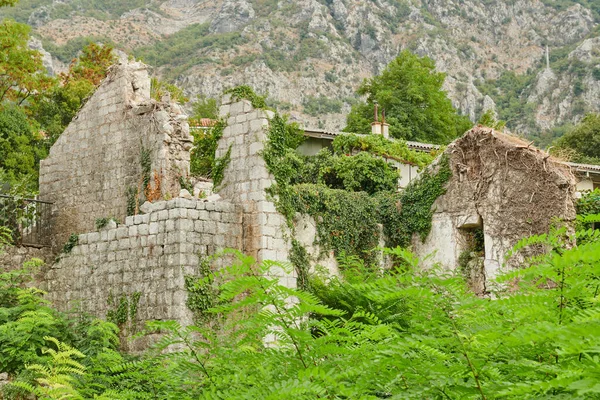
376 125
385 128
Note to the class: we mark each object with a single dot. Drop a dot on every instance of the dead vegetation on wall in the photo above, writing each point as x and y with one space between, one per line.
502 189
516 187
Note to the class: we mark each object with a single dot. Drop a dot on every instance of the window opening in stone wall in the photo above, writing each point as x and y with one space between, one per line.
472 256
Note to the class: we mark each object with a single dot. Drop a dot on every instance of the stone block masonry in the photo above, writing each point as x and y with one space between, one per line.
245 180
97 159
151 254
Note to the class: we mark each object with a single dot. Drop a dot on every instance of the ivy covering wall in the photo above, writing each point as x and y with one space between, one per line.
350 190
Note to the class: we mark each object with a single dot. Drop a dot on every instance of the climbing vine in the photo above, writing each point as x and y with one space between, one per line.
202 291
218 168
301 262
124 309
146 166
131 194
411 211
347 222
71 243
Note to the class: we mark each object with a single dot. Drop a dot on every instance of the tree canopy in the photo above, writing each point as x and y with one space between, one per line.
35 108
582 143
21 71
20 147
416 107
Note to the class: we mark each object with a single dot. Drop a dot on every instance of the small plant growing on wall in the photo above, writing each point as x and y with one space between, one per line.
71 243
103 222
123 312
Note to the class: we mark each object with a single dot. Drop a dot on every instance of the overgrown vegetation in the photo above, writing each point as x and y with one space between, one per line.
349 192
104 221
376 144
202 157
71 243
202 290
405 333
247 93
588 206
159 89
582 143
218 168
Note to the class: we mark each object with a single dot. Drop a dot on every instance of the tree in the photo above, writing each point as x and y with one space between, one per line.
22 73
583 141
21 148
91 65
11 3
488 119
416 107
55 110
204 107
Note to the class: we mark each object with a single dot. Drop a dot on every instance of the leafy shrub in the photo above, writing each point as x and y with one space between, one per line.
202 157
377 144
406 333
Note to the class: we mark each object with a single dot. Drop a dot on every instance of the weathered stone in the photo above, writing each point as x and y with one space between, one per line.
185 194
146 208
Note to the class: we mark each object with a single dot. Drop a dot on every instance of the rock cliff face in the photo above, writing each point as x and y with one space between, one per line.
304 51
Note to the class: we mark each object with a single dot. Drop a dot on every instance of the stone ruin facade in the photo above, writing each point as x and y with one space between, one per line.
499 185
97 159
502 189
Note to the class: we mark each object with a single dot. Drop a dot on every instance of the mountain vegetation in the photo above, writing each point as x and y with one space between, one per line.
311 56
582 143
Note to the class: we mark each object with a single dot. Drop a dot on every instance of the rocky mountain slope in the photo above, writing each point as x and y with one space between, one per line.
311 55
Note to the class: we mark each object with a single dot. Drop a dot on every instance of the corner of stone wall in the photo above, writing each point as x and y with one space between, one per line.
150 254
245 180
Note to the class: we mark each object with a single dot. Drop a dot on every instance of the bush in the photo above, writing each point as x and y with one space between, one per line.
405 333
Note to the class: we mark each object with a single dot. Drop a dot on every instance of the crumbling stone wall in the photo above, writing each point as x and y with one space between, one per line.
504 186
97 158
13 257
245 180
150 253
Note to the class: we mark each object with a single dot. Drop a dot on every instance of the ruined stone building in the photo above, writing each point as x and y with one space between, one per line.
502 190
123 144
